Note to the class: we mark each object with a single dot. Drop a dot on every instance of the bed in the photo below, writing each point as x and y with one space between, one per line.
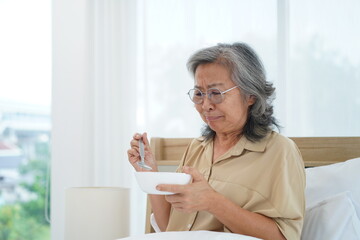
332 192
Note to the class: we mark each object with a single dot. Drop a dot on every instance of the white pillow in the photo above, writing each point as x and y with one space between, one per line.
192 235
332 219
326 181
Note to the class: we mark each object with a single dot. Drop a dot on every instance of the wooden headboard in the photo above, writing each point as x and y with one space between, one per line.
316 151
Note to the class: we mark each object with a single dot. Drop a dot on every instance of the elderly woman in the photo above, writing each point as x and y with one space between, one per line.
247 178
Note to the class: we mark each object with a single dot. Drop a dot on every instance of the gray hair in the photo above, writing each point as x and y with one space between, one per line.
247 72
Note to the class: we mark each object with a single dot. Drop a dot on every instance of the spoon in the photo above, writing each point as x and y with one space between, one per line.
142 163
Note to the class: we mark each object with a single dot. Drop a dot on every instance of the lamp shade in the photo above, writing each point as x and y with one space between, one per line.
96 213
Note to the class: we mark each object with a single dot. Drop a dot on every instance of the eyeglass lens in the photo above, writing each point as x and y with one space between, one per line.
213 94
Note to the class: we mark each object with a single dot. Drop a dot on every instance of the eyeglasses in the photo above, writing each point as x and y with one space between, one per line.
214 95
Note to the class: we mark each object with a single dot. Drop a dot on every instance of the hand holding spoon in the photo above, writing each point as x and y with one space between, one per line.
142 163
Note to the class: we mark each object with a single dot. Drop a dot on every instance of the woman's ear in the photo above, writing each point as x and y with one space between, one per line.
251 100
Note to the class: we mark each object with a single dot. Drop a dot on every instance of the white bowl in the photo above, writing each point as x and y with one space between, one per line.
149 180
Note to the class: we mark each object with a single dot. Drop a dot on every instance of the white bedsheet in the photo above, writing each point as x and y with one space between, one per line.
192 235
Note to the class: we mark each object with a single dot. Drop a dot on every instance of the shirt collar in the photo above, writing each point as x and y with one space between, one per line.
257 146
242 144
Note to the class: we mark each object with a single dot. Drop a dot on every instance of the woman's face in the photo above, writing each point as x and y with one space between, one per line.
230 115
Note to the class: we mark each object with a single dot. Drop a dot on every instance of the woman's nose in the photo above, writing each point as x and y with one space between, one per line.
207 104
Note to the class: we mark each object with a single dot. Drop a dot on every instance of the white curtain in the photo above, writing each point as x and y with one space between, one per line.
94 101
119 68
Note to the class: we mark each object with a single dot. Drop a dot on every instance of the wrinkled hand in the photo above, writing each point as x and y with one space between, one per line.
134 155
192 197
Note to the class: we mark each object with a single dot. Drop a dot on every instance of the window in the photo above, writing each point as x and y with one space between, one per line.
173 30
314 46
25 126
324 69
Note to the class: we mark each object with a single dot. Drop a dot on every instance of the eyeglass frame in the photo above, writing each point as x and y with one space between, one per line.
209 94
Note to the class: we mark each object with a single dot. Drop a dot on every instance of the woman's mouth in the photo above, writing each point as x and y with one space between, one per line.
212 118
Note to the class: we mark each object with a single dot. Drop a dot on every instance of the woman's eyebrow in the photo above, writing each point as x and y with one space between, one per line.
211 85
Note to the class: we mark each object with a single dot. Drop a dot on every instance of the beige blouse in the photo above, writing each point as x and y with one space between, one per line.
265 177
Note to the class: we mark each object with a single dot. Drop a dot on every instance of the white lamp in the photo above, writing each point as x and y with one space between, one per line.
96 213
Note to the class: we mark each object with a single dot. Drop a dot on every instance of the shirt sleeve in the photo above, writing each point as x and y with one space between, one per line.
289 198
